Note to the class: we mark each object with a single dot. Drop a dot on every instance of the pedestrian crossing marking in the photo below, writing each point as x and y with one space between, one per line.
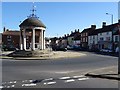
47 81
28 84
63 78
70 80
83 79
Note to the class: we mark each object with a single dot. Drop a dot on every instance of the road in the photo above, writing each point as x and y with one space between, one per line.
59 73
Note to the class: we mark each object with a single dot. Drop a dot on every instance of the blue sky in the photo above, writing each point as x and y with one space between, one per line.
60 17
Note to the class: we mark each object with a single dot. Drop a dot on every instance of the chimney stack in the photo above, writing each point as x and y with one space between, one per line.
103 24
119 21
93 26
75 30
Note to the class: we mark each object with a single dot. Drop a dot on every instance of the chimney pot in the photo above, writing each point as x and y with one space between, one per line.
104 24
93 26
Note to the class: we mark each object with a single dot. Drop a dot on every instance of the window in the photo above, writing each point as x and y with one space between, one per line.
90 37
101 39
86 40
107 33
116 38
8 38
107 38
100 33
83 39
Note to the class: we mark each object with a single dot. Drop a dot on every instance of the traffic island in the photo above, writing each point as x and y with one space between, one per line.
43 55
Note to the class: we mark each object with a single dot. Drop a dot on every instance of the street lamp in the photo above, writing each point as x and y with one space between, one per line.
112 31
111 17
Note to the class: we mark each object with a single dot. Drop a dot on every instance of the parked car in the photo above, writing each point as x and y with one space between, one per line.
59 48
117 50
77 48
8 48
70 47
106 50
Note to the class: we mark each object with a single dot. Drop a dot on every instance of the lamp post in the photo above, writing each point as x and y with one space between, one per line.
112 31
119 47
111 17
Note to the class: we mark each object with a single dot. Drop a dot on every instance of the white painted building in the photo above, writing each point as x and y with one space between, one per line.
105 40
92 41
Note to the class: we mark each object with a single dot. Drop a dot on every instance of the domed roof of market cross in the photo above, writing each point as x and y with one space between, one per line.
32 21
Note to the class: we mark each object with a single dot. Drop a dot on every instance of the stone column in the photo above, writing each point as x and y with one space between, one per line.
42 45
33 39
24 39
44 39
21 44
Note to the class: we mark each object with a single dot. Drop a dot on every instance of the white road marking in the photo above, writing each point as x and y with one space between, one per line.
15 82
10 82
48 79
78 76
50 83
28 84
1 86
30 80
62 78
24 80
12 85
8 86
71 80
81 79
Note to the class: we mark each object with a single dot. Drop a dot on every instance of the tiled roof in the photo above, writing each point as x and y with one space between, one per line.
17 33
77 36
104 29
11 33
107 28
86 30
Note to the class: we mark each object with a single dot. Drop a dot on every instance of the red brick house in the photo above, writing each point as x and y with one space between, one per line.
11 38
84 36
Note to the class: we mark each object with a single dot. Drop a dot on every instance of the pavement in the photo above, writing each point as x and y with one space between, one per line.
105 73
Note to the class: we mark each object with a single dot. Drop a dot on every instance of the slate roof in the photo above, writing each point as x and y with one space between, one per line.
106 28
95 32
32 22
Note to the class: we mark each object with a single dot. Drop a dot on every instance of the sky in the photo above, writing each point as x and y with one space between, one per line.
60 17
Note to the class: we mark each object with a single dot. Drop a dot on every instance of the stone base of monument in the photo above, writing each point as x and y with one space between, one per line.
20 53
36 53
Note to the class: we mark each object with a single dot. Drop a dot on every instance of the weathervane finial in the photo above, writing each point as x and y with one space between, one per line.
33 12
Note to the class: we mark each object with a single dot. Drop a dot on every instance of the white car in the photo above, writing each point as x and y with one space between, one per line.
106 50
117 50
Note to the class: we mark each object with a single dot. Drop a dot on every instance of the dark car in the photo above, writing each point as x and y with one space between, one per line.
8 48
59 48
